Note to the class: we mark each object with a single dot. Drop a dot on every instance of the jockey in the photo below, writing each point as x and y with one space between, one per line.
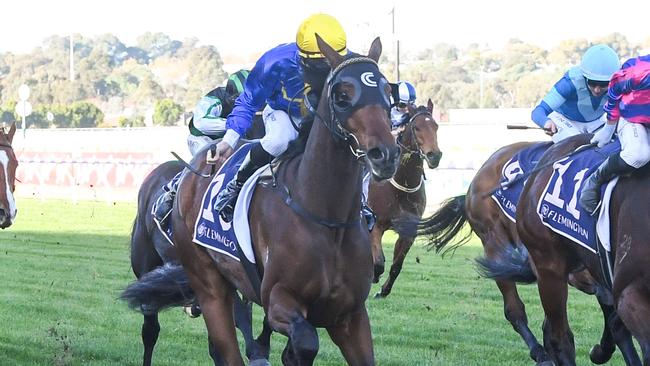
207 124
209 120
403 94
280 79
575 104
628 106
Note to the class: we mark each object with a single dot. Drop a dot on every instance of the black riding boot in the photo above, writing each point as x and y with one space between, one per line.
225 204
369 215
613 166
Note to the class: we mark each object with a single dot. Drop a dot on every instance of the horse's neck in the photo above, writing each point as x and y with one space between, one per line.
410 170
329 177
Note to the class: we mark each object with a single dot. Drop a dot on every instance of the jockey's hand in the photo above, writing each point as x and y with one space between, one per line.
550 128
603 136
223 151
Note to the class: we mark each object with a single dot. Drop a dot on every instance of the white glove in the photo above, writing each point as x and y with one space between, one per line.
604 135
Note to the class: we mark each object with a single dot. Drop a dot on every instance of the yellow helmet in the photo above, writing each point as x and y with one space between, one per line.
328 28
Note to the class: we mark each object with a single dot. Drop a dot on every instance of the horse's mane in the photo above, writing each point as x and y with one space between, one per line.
297 146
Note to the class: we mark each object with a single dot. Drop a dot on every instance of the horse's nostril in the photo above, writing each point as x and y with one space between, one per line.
375 154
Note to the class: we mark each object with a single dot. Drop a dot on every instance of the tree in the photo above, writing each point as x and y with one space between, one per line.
85 115
205 74
166 112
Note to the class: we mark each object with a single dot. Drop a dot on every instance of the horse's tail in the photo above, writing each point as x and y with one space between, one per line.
162 288
512 264
443 226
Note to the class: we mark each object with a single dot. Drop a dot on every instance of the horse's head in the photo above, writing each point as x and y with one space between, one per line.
420 134
358 101
8 165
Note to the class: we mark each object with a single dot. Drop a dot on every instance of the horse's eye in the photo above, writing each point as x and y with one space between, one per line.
342 100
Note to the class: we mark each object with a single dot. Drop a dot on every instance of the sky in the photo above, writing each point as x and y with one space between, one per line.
246 26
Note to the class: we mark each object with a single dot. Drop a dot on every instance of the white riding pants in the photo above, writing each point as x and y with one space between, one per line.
279 131
635 142
567 128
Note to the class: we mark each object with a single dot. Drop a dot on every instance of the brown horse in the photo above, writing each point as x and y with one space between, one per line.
8 165
314 253
400 202
500 240
555 257
150 250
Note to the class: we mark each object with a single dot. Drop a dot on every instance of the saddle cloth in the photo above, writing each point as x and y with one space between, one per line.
558 206
210 230
521 163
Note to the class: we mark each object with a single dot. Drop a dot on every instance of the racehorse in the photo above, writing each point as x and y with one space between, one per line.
555 257
400 202
314 254
8 165
150 250
500 240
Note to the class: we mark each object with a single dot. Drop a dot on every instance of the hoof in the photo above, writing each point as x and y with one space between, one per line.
260 362
379 295
599 356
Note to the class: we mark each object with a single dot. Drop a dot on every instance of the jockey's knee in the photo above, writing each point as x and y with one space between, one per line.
274 147
637 156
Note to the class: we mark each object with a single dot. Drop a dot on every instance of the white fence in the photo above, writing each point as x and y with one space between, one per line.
110 164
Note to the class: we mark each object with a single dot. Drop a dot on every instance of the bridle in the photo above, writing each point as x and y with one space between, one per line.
338 114
363 88
408 151
411 126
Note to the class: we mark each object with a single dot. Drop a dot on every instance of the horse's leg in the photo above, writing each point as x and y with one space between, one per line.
402 247
286 315
354 339
514 309
515 312
378 257
264 339
614 333
214 354
244 321
553 291
150 331
634 309
215 296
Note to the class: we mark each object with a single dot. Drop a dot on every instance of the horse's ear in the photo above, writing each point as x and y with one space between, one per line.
12 132
330 54
430 106
375 50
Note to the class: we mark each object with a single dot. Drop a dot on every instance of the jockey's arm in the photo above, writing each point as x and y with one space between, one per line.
260 85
